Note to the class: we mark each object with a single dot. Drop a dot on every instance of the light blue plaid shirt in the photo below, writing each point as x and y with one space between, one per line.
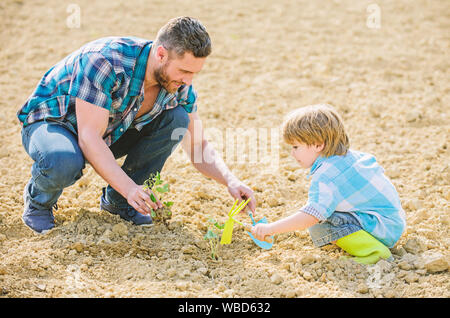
109 73
356 183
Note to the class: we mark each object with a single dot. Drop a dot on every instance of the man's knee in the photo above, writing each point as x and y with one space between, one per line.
179 117
58 170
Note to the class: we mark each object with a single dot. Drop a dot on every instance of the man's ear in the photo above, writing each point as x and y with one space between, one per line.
161 53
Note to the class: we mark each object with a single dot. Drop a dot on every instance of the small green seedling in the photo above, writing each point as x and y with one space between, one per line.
212 236
157 185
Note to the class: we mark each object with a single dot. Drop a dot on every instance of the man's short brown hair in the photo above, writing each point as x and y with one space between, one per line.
315 125
185 34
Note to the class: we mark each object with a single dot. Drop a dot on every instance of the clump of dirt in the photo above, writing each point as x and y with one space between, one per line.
162 215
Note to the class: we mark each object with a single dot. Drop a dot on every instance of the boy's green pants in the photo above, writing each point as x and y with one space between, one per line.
364 247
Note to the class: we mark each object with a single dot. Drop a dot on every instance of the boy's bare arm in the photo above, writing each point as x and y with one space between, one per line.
294 222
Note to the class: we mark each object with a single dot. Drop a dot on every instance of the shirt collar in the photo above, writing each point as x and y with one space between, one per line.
167 96
137 81
163 96
316 165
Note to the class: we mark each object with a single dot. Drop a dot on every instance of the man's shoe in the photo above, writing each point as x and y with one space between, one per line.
128 214
38 220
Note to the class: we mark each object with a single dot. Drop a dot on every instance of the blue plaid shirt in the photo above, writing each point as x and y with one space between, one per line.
109 73
356 183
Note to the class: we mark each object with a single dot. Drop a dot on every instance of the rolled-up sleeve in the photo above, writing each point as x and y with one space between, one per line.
321 200
93 79
188 99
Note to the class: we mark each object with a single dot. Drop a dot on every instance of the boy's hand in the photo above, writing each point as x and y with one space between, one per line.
261 230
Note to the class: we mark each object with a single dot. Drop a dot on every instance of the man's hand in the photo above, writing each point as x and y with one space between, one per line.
140 200
239 190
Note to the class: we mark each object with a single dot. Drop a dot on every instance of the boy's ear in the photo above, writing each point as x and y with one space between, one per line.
319 147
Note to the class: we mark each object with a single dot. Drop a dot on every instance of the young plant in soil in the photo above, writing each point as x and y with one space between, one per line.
157 185
213 237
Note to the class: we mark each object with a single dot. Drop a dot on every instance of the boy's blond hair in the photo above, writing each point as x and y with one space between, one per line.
314 125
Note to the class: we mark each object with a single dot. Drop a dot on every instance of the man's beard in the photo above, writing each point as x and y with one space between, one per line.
163 79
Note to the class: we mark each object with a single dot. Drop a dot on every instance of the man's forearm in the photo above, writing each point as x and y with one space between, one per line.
211 164
102 160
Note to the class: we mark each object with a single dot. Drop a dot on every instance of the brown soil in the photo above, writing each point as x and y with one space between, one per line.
390 84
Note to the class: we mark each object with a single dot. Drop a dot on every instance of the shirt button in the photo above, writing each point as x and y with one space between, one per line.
135 109
121 129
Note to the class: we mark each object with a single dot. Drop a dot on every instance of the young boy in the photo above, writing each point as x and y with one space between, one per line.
351 202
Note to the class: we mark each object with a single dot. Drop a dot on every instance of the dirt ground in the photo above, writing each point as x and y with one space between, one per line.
389 78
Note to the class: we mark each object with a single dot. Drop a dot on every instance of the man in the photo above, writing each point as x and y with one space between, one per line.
115 97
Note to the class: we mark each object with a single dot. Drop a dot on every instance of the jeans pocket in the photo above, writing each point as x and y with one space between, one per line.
337 219
342 218
25 136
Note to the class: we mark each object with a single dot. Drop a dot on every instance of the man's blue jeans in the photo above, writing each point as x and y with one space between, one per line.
59 161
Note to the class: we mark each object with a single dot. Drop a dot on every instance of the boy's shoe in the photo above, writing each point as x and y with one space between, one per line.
366 248
128 214
38 220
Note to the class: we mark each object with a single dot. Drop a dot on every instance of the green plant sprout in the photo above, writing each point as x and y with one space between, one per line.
212 236
157 185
